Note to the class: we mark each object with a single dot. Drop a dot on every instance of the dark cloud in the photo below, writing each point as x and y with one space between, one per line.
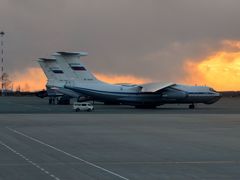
147 38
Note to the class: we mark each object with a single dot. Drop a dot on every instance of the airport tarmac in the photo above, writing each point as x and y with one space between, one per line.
30 105
118 142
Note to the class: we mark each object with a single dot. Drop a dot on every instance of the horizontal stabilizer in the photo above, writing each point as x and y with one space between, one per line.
47 59
73 53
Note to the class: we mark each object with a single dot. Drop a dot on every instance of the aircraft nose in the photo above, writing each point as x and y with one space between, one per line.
217 97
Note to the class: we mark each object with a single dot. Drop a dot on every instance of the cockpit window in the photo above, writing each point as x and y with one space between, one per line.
211 89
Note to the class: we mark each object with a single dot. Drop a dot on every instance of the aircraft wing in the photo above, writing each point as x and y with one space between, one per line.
154 87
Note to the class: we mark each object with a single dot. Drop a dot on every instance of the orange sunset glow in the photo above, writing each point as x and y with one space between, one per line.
220 70
31 80
114 79
34 79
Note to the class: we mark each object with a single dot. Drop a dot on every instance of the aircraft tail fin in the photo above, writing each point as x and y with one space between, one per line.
51 69
76 66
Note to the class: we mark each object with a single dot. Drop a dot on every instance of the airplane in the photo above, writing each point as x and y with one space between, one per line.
55 79
149 95
57 72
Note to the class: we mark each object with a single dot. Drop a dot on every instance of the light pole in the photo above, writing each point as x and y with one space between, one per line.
2 34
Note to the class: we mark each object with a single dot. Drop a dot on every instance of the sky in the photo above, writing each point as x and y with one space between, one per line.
183 41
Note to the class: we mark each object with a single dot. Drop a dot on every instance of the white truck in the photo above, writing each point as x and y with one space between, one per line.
82 106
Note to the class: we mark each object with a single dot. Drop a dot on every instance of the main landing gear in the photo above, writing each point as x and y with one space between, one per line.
191 106
145 106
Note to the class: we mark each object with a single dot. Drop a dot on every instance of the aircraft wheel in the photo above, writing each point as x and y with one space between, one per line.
145 107
50 101
191 106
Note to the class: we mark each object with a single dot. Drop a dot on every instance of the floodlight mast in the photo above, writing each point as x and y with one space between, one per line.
2 33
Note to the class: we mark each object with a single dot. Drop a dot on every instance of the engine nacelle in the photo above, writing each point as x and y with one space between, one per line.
84 98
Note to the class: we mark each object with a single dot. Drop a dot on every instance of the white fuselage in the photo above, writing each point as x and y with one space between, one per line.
134 95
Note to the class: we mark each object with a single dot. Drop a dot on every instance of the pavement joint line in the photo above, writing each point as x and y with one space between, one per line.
131 162
68 154
29 161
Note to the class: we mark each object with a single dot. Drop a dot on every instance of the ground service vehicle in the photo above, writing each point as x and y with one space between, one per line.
82 106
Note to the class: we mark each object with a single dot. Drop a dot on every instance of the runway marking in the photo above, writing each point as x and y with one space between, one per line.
29 161
174 162
68 154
